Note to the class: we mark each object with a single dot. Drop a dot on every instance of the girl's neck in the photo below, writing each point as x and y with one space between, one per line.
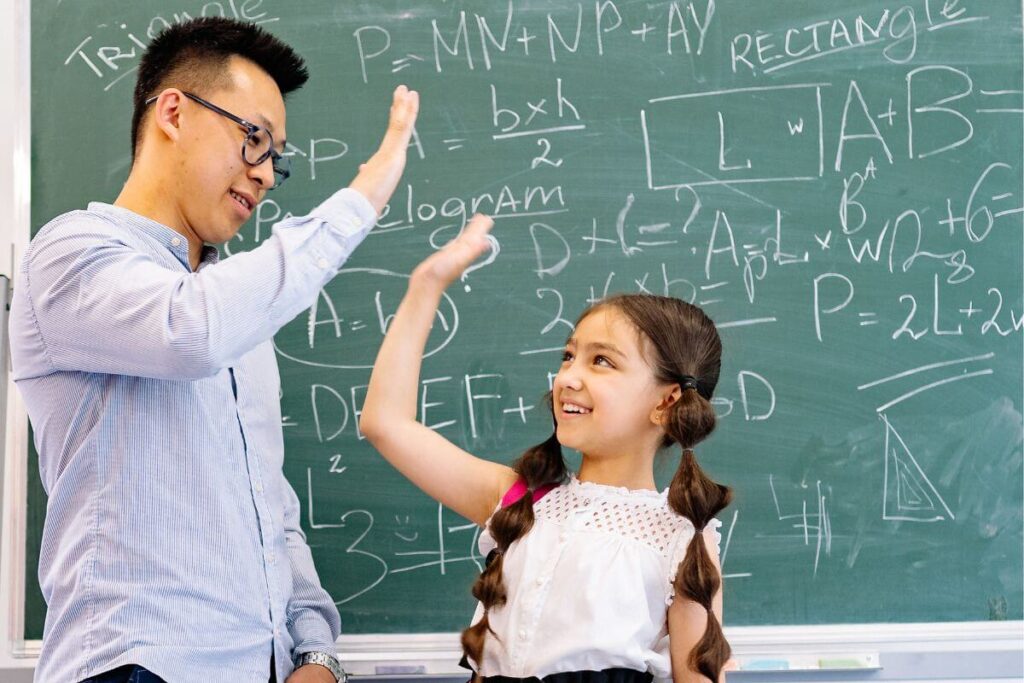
630 473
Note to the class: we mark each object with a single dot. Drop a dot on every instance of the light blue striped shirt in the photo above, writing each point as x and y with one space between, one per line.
172 538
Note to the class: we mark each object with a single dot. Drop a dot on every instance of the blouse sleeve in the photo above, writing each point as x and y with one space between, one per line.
682 541
711 534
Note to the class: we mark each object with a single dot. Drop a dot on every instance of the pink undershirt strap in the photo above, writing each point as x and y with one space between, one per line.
518 490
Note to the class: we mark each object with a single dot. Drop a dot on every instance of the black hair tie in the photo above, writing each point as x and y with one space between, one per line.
688 382
492 556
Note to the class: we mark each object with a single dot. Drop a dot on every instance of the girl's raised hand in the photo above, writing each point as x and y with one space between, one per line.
445 266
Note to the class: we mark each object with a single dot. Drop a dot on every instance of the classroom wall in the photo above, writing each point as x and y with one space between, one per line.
974 658
14 221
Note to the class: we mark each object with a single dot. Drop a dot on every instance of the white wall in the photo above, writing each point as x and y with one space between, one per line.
14 227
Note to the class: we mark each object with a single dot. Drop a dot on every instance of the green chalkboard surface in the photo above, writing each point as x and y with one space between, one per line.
838 184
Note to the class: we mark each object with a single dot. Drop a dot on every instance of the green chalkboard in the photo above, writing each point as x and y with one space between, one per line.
838 184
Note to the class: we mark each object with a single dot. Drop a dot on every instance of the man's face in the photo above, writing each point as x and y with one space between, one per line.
216 190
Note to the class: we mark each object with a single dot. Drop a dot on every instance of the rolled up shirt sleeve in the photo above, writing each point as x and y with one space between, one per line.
313 619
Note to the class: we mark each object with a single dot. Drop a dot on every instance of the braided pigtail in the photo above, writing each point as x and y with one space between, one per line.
683 347
540 466
698 498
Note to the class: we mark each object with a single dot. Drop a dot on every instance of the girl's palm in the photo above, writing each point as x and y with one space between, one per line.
450 262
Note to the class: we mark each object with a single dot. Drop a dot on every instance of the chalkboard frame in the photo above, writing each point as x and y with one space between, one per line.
434 654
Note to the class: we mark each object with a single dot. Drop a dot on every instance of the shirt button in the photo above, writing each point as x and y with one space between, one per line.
321 262
270 558
357 223
259 487
540 580
277 632
175 242
522 634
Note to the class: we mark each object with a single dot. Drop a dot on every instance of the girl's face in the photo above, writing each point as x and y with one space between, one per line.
607 401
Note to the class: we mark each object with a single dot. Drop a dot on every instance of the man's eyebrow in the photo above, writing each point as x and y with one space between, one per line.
270 126
265 122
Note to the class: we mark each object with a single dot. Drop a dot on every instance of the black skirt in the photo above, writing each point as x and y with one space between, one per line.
605 676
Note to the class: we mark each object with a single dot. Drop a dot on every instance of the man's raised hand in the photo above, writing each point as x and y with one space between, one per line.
379 176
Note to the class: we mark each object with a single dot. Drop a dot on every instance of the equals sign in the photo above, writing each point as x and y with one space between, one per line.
868 319
1005 109
454 143
357 325
654 228
404 62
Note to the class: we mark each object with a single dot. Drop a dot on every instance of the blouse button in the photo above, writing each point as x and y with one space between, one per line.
540 580
522 634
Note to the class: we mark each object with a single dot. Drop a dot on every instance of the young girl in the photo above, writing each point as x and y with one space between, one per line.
594 577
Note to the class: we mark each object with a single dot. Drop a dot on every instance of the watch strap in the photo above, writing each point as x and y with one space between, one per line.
329 661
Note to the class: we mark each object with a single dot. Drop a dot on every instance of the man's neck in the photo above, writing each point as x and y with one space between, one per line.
141 197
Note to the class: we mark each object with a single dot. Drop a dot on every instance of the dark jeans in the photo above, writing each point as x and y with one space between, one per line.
126 674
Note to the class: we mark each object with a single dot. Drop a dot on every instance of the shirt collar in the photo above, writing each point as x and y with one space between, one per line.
169 238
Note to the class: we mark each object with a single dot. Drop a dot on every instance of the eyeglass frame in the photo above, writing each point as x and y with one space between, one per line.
251 129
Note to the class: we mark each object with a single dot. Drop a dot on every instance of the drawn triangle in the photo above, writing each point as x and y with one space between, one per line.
908 495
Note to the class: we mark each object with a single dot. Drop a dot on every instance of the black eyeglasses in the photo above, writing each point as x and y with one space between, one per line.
258 145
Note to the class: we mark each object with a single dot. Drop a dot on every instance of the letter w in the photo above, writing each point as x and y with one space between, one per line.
858 254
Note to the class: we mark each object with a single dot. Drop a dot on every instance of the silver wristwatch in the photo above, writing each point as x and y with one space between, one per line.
324 660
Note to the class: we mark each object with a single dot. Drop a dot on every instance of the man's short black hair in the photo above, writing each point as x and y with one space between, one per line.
194 55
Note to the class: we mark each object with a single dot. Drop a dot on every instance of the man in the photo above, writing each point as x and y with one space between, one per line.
172 548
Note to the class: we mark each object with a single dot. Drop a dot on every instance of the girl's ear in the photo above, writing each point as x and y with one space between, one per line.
660 412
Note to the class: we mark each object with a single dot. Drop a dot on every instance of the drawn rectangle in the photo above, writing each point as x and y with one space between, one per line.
747 135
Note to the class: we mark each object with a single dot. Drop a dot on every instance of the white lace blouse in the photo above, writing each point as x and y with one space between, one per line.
589 586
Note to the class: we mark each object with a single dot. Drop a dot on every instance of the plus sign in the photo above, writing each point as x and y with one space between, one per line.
642 32
525 40
594 239
950 220
970 310
521 410
890 114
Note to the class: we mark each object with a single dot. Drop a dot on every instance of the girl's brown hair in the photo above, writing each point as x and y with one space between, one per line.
680 342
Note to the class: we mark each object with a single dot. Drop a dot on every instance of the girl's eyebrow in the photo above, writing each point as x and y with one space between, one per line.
597 346
606 347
